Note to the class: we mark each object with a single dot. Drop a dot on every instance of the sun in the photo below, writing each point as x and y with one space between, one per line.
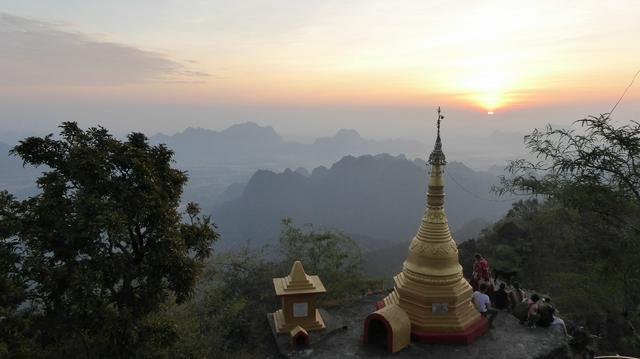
486 83
487 88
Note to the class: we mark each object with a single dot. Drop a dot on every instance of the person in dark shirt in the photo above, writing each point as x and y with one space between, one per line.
501 298
546 311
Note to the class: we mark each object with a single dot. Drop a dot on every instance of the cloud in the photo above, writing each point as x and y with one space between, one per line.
35 52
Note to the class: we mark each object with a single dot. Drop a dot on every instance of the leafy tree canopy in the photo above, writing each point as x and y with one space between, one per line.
103 245
332 255
236 291
596 168
581 243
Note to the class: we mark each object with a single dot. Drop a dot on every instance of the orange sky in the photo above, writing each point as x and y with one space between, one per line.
479 55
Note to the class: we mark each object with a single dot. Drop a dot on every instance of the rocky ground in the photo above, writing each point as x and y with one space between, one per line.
509 339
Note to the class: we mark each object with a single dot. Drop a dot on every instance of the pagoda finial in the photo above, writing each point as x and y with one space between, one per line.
437 156
440 117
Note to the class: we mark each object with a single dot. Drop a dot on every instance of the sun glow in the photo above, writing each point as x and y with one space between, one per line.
493 56
485 86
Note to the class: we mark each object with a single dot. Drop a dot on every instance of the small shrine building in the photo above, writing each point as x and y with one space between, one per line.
298 292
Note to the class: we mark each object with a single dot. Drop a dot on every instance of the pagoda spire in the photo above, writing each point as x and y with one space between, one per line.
437 156
435 194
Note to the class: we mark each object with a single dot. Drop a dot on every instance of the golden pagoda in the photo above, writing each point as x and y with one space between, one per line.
298 293
431 288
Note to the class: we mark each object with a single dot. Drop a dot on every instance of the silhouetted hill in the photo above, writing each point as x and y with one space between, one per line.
8 163
347 141
470 229
14 177
380 197
241 143
250 143
216 159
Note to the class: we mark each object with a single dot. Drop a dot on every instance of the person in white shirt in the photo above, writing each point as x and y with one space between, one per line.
483 304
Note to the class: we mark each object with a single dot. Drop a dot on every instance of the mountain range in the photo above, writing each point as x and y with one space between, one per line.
251 143
380 198
217 159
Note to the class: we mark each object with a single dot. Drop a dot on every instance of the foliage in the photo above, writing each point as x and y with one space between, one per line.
231 301
103 245
332 255
228 309
13 322
604 156
597 174
596 171
582 243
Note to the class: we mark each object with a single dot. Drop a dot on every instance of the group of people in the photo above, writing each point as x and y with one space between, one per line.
531 311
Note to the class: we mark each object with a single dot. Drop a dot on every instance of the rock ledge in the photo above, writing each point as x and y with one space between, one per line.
508 340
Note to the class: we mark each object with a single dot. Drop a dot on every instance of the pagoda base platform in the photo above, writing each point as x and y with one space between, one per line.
334 326
283 327
345 330
467 336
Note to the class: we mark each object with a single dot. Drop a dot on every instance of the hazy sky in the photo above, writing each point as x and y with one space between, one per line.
311 67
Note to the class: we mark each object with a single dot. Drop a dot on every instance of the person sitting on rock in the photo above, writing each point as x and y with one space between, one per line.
533 313
516 296
483 304
501 297
546 311
558 323
549 314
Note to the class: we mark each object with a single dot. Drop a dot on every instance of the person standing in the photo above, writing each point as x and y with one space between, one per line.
481 273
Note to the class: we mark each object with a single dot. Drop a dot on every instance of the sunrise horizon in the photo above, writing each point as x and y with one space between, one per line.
357 63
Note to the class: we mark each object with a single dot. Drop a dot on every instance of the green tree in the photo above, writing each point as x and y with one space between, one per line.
586 233
232 299
103 244
14 322
228 309
332 255
594 170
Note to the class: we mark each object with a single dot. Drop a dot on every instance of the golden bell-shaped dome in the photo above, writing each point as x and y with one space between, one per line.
433 252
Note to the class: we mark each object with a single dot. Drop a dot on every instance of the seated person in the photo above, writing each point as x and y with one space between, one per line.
546 311
549 314
559 323
516 296
501 297
533 314
483 304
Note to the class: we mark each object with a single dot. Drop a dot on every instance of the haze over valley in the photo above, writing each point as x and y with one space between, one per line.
250 177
